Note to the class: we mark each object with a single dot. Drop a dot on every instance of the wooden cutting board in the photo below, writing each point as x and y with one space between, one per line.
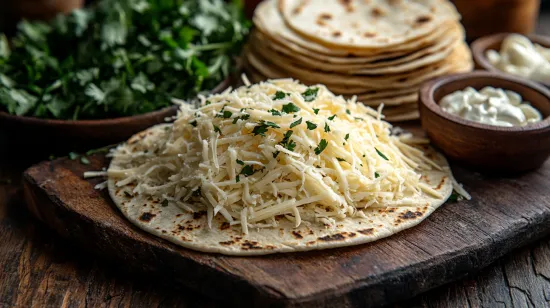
457 239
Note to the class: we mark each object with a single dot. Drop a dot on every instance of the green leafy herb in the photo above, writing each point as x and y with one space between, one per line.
327 128
261 129
238 179
73 156
84 160
290 108
454 197
332 117
240 162
287 143
295 123
217 129
224 114
193 123
311 125
340 159
247 170
207 103
321 146
243 117
279 95
381 154
315 110
346 137
310 94
275 112
119 57
164 203
347 111
376 175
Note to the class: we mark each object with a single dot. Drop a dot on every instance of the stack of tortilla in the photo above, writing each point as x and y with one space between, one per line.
379 50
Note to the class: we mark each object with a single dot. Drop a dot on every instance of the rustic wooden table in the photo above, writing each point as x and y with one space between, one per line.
39 269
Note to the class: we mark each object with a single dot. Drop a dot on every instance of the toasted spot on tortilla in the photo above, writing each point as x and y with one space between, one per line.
423 19
368 231
198 215
225 226
297 235
330 238
227 243
250 245
146 217
410 215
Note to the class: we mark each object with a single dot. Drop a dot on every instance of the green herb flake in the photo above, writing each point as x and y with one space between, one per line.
279 95
453 197
73 156
310 94
193 123
240 162
340 159
164 203
217 129
376 175
290 108
207 103
332 117
247 170
84 160
346 137
347 111
316 111
327 128
296 123
310 125
321 146
381 154
237 179
275 154
261 129
226 114
275 112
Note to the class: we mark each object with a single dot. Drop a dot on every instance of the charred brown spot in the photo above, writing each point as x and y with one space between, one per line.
441 183
269 247
297 235
321 22
178 215
369 34
377 12
163 231
198 215
403 79
297 10
351 234
183 238
345 2
310 243
180 227
146 217
422 19
325 16
250 245
336 33
225 226
410 215
391 210
330 238
368 231
227 243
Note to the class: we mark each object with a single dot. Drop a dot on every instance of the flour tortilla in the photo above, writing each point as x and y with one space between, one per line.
269 21
191 230
366 24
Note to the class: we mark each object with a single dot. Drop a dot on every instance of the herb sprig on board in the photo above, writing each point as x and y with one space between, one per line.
119 57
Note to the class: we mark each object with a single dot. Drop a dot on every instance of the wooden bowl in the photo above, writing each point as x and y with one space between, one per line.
482 45
43 137
486 147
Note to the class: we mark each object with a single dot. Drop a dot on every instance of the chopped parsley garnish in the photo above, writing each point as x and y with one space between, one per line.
194 123
315 110
227 114
332 117
287 143
240 162
84 160
279 95
297 122
346 137
453 197
242 117
207 103
262 128
327 128
217 129
247 170
381 154
321 146
275 112
290 108
275 154
311 125
310 94
238 179
73 155
164 203
340 159
376 175
347 111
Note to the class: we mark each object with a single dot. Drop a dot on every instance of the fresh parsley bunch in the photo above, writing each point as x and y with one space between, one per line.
119 57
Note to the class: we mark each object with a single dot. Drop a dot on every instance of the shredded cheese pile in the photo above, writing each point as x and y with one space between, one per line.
277 148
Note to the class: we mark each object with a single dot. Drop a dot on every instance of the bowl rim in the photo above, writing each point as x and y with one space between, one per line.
426 98
222 86
480 46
